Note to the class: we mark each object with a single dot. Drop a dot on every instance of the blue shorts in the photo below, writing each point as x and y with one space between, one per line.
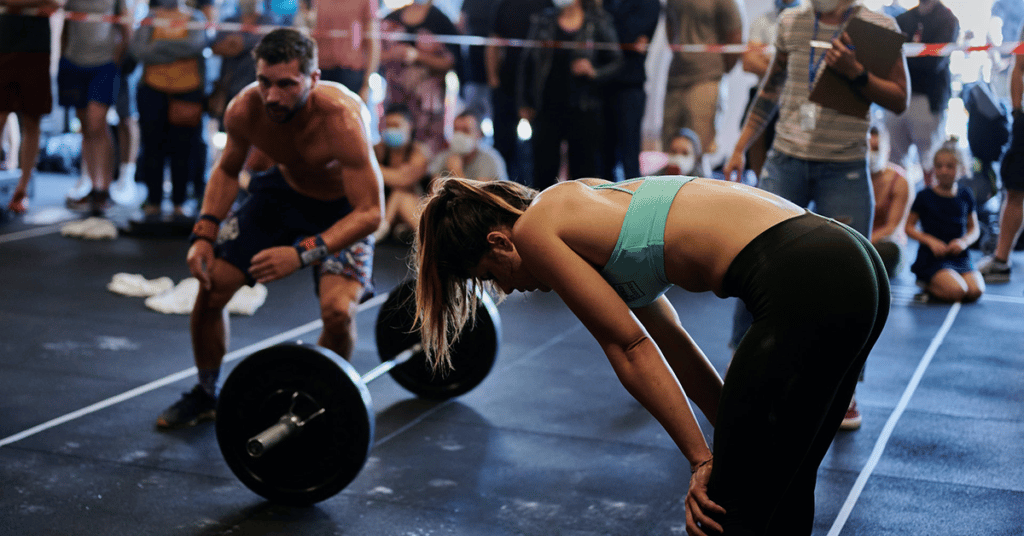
276 215
78 86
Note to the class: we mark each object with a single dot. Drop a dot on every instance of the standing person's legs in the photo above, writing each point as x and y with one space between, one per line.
787 177
898 126
996 267
927 132
628 129
153 128
1011 218
123 190
675 114
703 102
97 147
843 191
586 140
547 150
25 89
506 138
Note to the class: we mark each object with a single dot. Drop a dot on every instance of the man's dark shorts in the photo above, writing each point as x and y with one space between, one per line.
276 215
1012 169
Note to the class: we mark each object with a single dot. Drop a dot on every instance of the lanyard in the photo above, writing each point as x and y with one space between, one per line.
812 66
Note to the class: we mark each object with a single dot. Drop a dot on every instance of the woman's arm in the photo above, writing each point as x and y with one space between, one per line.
698 376
636 359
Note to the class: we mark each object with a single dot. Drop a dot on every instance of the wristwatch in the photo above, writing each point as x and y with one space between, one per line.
861 79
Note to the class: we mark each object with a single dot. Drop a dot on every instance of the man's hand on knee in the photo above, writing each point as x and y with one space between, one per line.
274 263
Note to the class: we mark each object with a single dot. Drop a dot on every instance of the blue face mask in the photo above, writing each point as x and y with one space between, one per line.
782 4
393 137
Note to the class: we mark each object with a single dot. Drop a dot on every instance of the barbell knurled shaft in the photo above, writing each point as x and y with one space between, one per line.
382 368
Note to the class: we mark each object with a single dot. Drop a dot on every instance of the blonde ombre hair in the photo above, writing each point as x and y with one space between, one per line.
450 241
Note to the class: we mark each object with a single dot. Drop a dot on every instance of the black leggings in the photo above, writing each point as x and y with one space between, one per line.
820 297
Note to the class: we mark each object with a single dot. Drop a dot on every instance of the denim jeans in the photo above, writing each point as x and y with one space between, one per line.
838 190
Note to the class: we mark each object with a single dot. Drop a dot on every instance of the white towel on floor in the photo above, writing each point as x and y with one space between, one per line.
138 286
93 228
180 299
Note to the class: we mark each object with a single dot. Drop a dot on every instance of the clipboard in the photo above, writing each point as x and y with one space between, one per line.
876 48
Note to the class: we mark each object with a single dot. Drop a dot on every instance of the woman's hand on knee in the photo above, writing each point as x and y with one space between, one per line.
698 505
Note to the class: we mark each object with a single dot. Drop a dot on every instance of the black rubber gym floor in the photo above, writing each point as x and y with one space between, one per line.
549 444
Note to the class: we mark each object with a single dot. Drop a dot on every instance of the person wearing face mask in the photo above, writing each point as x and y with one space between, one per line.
415 70
892 202
685 156
819 155
403 165
466 157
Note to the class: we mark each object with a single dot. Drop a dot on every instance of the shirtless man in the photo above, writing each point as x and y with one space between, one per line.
317 206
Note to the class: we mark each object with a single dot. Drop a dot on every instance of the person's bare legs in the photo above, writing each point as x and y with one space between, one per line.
339 301
97 145
1010 219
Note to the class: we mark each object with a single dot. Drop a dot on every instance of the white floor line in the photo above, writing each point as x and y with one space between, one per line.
167 380
890 425
30 233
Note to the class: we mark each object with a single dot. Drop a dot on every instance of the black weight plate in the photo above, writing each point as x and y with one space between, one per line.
326 454
473 355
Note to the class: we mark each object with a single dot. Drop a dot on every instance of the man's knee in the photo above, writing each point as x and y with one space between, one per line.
338 315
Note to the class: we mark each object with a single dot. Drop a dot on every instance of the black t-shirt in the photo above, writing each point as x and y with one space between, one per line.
512 21
930 74
436 23
24 33
560 83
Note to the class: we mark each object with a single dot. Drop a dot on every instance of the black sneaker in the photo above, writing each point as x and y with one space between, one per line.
99 203
194 407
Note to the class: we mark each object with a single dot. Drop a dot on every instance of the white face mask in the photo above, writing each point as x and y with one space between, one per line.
685 162
877 161
824 6
462 143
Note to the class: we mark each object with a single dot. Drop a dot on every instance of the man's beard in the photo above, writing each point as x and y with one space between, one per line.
286 114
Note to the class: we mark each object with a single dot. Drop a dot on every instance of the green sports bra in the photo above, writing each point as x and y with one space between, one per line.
636 268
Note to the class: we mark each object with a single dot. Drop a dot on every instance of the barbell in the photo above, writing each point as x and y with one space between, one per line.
295 421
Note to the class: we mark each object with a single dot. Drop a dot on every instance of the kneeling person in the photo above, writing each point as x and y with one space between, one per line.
317 206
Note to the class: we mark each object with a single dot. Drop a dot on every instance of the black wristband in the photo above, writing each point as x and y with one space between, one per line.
311 250
860 80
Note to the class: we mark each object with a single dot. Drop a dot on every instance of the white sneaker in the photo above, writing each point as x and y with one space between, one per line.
138 286
80 189
994 270
123 192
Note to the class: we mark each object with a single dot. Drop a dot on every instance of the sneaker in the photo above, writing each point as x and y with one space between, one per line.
852 419
994 270
83 202
194 407
100 202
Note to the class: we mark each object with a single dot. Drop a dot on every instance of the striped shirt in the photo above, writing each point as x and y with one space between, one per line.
836 137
